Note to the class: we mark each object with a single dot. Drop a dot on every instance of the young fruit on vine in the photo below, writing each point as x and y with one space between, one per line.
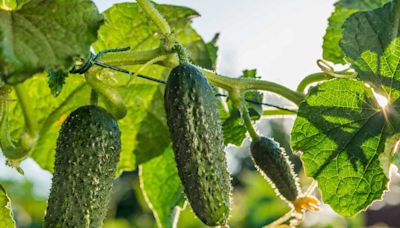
87 153
193 121
272 162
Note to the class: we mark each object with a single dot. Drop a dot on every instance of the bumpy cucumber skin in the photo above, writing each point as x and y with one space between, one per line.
87 153
273 163
193 121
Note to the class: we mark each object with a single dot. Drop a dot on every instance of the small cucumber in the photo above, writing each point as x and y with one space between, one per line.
272 161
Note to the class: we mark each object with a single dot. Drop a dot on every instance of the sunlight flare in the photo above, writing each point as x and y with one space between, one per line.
382 100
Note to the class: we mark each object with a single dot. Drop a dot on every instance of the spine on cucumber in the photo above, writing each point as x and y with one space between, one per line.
88 148
193 121
272 161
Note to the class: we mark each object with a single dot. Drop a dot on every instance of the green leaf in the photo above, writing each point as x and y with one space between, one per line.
56 81
128 26
370 41
45 35
162 188
204 54
199 55
212 48
346 137
341 130
49 113
362 5
233 128
6 217
232 123
144 131
343 9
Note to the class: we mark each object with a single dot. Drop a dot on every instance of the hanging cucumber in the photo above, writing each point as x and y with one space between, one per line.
87 153
193 121
271 161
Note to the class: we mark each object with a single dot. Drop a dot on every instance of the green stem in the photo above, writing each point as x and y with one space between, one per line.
130 57
113 100
155 16
280 220
94 97
277 112
237 98
245 84
249 125
182 54
27 110
310 79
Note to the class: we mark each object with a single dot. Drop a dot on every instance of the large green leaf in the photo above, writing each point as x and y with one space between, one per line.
370 40
144 130
6 218
162 188
346 138
343 9
341 130
45 35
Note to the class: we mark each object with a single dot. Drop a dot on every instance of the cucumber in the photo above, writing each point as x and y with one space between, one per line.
87 153
272 162
197 138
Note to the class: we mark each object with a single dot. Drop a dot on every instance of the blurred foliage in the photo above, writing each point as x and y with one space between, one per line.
28 208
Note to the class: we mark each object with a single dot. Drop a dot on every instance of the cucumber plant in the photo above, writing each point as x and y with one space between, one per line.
160 83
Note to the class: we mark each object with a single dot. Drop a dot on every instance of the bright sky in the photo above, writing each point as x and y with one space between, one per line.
282 39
